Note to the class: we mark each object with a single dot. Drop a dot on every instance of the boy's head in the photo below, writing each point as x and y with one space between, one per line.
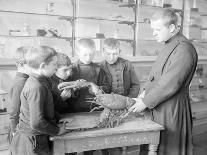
85 50
111 50
64 67
20 56
42 59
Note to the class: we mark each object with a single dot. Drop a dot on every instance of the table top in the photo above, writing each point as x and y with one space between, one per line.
131 124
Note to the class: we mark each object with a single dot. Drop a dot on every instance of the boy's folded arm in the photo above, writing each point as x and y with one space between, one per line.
44 126
15 107
37 100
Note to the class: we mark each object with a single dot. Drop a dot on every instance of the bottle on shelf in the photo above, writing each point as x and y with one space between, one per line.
26 31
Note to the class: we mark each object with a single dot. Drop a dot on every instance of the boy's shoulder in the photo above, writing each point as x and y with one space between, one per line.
96 64
34 83
20 75
122 60
20 79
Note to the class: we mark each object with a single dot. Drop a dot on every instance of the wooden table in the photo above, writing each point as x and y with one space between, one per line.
134 131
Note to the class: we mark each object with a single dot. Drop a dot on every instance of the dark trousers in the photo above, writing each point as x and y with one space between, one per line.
29 144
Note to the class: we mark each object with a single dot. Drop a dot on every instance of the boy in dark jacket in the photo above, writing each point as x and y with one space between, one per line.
122 77
89 71
37 120
64 71
19 81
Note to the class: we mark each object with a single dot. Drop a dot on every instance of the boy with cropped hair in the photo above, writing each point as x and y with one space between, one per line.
89 71
18 84
64 71
122 77
37 120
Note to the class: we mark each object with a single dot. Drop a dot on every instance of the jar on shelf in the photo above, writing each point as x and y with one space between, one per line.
194 24
50 8
195 18
26 31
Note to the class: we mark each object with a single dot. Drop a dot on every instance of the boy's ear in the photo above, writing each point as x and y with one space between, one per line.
42 65
102 51
172 28
77 52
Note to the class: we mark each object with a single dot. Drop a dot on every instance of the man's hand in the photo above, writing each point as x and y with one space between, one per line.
66 93
62 129
142 94
139 106
65 120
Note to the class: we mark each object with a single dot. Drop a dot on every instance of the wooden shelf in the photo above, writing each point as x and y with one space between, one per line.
32 13
104 19
43 37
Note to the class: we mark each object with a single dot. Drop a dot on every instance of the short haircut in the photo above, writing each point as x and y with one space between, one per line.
111 43
168 15
20 55
86 42
63 60
38 55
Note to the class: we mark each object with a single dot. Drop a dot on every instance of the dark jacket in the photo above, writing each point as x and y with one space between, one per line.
37 107
130 80
167 95
19 81
91 73
60 105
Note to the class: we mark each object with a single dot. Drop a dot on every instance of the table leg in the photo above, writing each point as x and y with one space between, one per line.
124 150
58 148
153 149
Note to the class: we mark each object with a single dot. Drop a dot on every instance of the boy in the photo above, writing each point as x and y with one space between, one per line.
64 71
19 81
37 121
121 75
89 71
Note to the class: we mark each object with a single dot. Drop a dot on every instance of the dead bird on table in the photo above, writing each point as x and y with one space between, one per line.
115 108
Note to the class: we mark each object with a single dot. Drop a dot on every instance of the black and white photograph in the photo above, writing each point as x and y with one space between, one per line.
103 77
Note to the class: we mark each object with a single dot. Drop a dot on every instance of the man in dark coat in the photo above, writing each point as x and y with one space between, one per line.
167 88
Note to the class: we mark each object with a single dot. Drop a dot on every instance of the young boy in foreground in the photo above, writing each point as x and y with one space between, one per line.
37 119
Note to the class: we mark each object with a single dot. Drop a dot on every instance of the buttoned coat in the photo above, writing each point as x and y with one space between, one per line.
130 80
167 95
